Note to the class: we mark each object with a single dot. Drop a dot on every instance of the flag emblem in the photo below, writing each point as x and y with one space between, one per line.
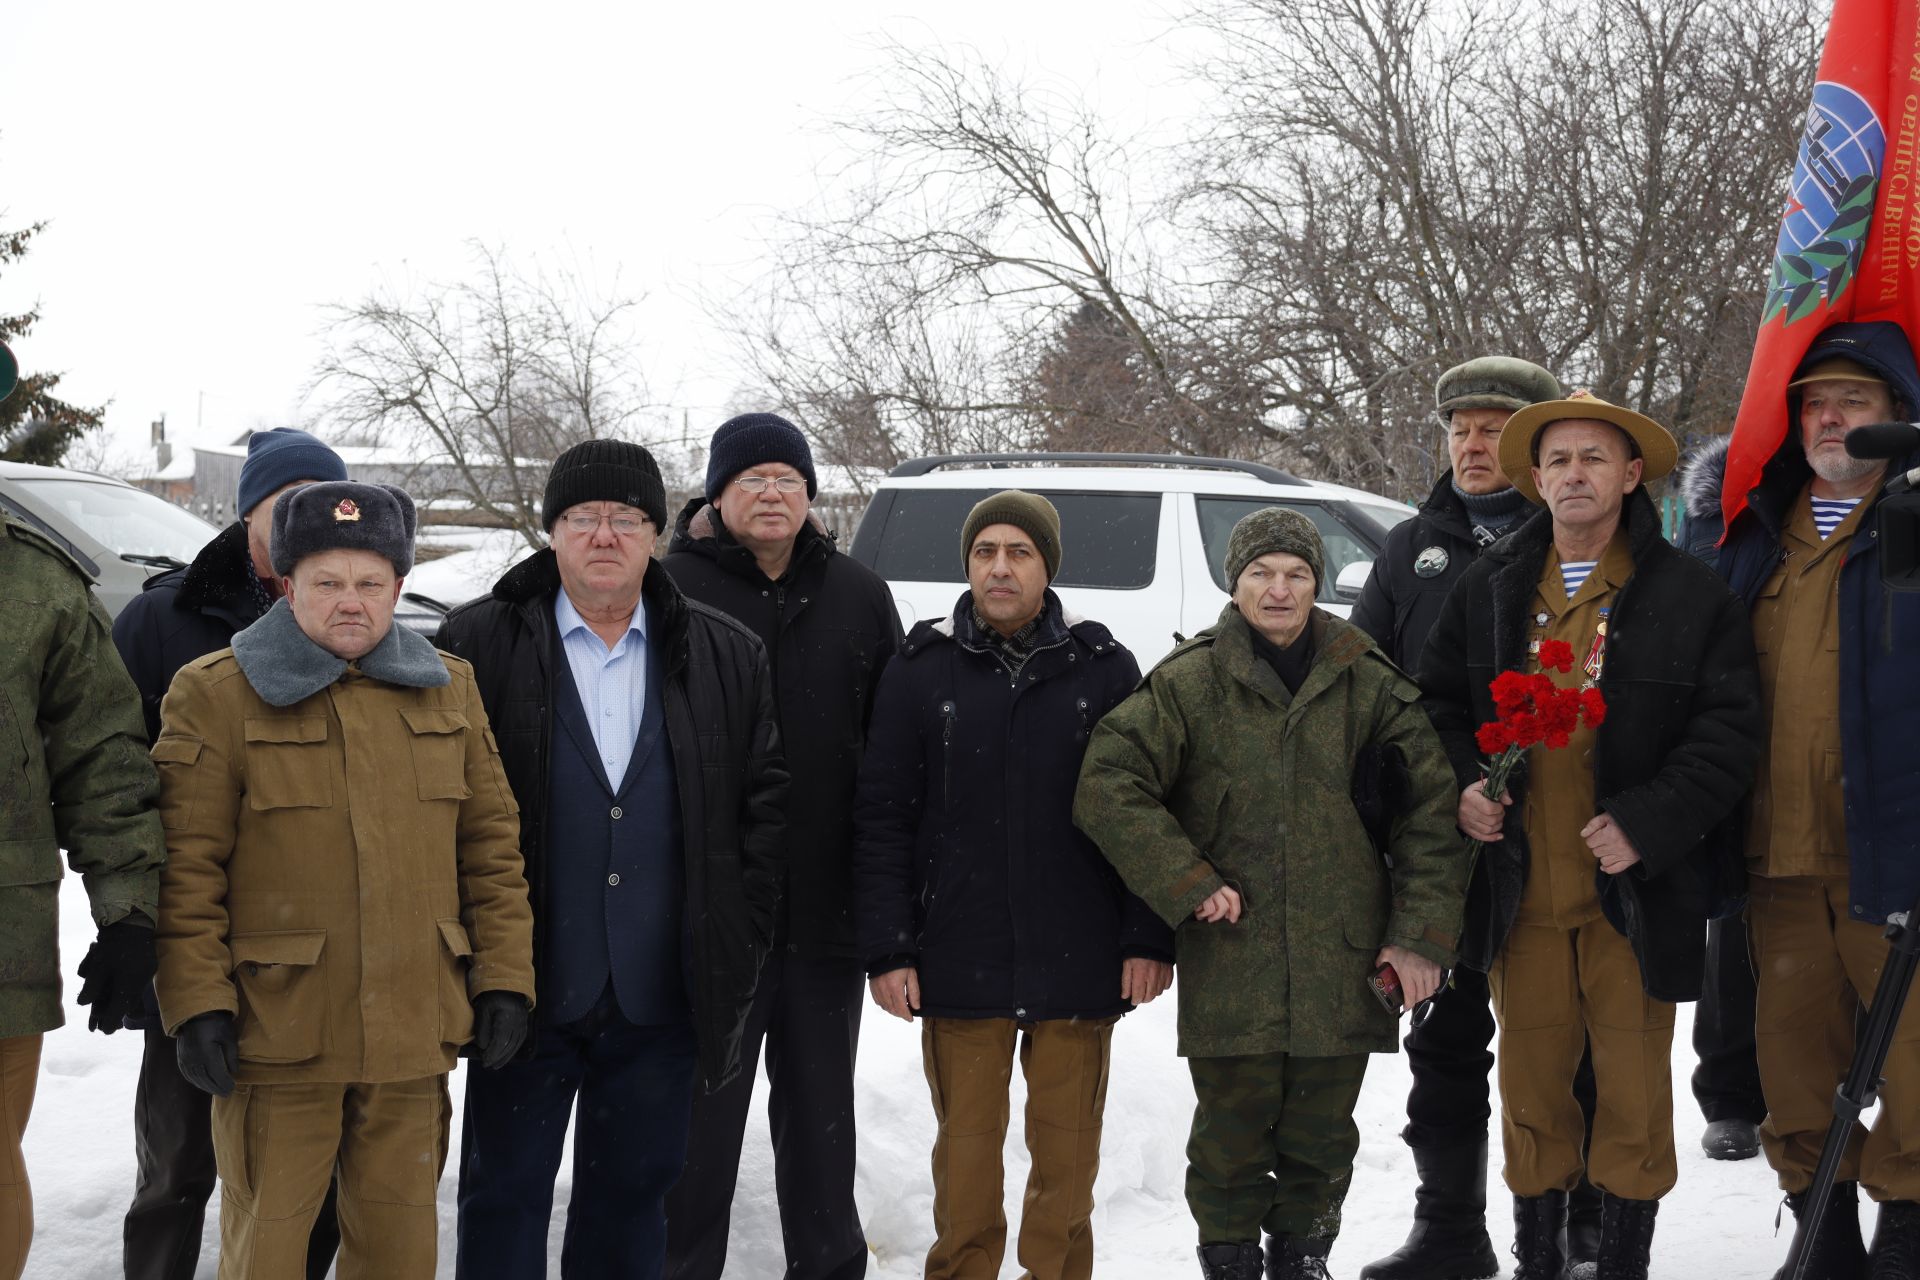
1823 234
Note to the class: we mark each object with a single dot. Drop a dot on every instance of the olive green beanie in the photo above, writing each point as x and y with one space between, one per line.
1271 529
1028 512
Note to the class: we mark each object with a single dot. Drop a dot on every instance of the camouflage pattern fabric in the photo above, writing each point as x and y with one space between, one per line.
1212 774
74 774
1272 1145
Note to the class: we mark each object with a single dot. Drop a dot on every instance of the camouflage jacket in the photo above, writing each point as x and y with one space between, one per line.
1212 774
74 774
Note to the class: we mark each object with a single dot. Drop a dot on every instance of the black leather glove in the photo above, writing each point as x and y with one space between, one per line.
116 973
208 1050
499 1027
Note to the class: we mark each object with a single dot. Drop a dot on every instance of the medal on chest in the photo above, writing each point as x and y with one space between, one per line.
1597 655
1431 563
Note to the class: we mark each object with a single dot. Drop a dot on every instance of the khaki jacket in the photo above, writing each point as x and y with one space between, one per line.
344 872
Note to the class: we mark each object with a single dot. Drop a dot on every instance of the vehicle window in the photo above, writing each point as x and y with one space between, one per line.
1383 519
130 521
1109 539
1218 515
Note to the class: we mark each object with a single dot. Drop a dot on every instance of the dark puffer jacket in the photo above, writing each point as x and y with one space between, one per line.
186 614
966 861
1671 763
179 617
829 628
1400 604
726 755
1879 638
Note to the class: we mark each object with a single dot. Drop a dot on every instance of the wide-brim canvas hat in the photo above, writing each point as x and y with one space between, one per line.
1654 442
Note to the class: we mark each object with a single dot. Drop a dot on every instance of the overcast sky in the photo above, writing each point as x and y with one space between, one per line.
212 175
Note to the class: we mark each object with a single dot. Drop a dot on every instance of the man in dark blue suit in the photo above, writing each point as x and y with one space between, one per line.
637 730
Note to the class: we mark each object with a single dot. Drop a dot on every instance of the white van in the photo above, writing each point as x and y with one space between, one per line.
1144 536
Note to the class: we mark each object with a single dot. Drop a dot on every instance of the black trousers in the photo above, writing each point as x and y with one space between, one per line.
1451 1057
1726 1083
174 1175
807 1010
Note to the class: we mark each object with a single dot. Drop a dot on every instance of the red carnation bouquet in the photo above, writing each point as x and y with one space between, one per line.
1533 711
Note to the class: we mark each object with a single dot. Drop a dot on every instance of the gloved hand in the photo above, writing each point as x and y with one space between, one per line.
116 973
499 1027
208 1049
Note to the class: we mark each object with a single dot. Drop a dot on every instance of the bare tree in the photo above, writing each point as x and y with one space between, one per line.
490 377
1395 185
989 219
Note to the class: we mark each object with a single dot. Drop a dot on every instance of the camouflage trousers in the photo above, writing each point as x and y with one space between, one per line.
1272 1144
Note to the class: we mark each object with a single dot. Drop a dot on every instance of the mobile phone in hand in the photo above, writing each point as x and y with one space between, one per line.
1385 982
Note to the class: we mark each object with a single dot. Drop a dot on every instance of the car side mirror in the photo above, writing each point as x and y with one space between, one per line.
1352 579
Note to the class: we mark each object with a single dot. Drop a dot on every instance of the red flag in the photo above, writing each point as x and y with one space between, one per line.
1849 245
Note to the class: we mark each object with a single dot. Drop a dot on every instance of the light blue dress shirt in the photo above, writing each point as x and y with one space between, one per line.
612 683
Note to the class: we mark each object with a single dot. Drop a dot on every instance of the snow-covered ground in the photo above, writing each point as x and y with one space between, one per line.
1718 1223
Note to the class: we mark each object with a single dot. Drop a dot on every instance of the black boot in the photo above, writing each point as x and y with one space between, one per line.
1896 1242
1449 1237
1626 1237
1583 1231
1296 1258
1236 1261
1540 1236
1836 1251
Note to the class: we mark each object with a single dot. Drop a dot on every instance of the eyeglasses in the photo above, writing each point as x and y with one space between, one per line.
785 484
623 523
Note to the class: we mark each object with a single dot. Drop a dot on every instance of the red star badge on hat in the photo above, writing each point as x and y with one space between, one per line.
346 509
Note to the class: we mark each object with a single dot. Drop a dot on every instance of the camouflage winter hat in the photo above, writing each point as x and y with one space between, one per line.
1272 529
1493 382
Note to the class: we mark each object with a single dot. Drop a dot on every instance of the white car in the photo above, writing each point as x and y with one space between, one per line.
1144 536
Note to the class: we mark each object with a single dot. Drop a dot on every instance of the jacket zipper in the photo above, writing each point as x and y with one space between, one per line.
948 713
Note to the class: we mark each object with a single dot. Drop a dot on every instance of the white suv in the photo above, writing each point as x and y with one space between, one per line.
1144 536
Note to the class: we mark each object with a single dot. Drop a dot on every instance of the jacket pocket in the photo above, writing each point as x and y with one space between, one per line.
288 765
437 736
456 1007
283 994
176 796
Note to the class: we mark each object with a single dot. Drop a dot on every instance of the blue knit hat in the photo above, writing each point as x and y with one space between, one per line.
277 458
751 440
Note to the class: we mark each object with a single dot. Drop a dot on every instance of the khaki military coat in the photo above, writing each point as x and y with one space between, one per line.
1212 774
344 871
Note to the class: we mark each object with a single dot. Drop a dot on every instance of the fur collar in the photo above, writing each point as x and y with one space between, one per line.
221 579
284 666
1703 474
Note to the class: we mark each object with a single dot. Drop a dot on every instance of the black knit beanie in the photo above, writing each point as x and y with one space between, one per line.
605 471
752 440
1028 512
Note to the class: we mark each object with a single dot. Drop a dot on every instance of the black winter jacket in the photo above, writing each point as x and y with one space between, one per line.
185 614
966 861
1672 761
829 627
1400 602
179 617
726 755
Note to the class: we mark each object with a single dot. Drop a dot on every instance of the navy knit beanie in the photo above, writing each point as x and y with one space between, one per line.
277 458
751 440
605 471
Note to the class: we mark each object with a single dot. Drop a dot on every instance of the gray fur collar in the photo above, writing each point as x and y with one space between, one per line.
285 667
1703 474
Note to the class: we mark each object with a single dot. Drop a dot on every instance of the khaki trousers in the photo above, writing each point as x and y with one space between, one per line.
1817 967
1555 991
19 1070
278 1146
969 1064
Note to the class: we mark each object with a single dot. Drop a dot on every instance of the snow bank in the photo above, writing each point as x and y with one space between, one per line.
1718 1222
